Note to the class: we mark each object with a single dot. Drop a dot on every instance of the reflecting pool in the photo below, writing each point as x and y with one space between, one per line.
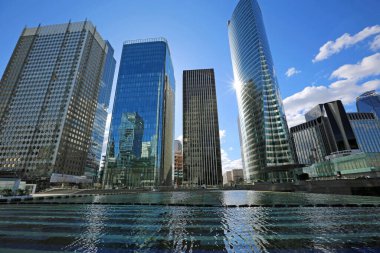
111 227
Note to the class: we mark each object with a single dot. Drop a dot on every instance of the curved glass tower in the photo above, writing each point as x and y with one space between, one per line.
264 131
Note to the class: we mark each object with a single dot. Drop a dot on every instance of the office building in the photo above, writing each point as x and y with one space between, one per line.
366 127
139 150
334 112
327 130
178 163
48 98
96 144
313 140
369 102
233 177
201 144
349 165
263 126
227 178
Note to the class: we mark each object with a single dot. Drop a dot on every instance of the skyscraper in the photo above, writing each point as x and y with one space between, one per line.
139 151
96 144
369 102
263 126
201 143
48 99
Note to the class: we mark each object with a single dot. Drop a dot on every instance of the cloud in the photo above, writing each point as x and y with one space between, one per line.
292 71
222 135
346 88
344 41
180 138
228 164
369 66
375 44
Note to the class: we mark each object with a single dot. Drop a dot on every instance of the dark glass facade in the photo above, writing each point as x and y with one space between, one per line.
139 151
327 130
369 102
366 127
313 140
96 144
201 144
334 112
263 126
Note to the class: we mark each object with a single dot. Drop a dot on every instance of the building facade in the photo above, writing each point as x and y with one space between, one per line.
178 163
263 126
338 123
366 127
97 138
313 140
201 144
327 130
139 150
350 166
369 102
48 99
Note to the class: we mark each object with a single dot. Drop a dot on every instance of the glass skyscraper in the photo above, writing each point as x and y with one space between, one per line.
96 144
369 102
48 99
139 151
264 131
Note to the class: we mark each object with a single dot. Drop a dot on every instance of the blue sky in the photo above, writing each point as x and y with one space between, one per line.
197 34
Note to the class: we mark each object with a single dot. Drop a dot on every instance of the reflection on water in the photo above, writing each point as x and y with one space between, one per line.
133 228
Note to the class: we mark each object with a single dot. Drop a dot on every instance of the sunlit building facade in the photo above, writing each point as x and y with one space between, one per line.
263 126
96 144
139 151
201 143
366 127
48 98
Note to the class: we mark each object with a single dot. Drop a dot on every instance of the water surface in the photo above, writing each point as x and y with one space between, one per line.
158 228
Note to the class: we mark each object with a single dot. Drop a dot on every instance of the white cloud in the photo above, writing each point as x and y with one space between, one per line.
222 135
375 44
228 164
344 41
369 66
292 71
347 88
180 138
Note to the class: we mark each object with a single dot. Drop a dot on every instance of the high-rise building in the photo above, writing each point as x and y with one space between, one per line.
366 127
139 151
96 144
327 130
369 102
313 140
334 112
48 99
178 163
263 126
201 143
